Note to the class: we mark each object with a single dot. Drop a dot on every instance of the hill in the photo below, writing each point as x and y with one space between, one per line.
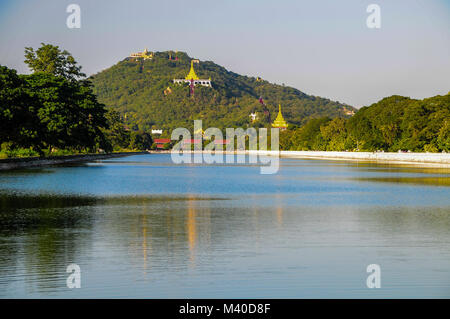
135 88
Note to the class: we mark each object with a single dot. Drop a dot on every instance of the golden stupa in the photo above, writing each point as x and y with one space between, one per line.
193 78
279 121
191 75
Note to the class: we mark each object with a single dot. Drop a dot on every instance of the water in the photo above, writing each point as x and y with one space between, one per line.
143 227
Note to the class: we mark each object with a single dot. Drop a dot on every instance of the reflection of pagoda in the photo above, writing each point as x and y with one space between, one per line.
279 121
193 78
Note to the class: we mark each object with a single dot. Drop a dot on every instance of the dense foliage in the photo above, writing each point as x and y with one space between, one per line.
118 137
44 111
51 110
50 59
393 124
135 88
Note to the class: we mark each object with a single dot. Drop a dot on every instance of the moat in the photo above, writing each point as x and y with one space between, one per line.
143 227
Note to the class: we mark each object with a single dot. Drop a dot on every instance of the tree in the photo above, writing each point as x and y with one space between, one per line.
335 135
20 126
140 141
12 108
285 141
443 138
309 137
54 107
116 134
50 59
361 131
65 114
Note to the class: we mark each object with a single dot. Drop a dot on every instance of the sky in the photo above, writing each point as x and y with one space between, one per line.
321 47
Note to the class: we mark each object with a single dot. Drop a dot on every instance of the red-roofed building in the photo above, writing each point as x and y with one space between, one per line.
221 142
192 141
162 140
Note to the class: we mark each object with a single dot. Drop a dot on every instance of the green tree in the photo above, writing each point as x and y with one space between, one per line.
140 141
42 111
66 114
285 140
309 137
335 135
12 109
116 134
443 138
50 59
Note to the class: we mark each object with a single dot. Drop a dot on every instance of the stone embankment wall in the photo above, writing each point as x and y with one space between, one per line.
15 163
436 158
442 159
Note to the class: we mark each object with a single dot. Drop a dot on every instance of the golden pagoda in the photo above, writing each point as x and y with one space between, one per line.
191 75
279 121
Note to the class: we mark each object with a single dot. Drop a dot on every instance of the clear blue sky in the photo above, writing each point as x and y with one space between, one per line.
322 47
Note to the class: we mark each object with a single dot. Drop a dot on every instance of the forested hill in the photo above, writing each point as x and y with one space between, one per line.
136 88
395 123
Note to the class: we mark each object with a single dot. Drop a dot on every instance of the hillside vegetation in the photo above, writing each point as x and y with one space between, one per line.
395 123
135 88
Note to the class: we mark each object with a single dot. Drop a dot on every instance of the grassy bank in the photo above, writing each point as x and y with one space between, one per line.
30 153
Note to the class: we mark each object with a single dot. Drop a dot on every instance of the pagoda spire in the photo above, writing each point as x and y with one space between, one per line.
193 79
191 75
279 121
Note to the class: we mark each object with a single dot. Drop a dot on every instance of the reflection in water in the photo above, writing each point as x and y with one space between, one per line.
436 180
280 216
404 169
144 242
278 200
48 232
11 202
310 231
36 243
176 248
191 229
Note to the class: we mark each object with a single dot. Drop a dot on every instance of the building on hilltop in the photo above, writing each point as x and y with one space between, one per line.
193 78
145 55
279 121
348 112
